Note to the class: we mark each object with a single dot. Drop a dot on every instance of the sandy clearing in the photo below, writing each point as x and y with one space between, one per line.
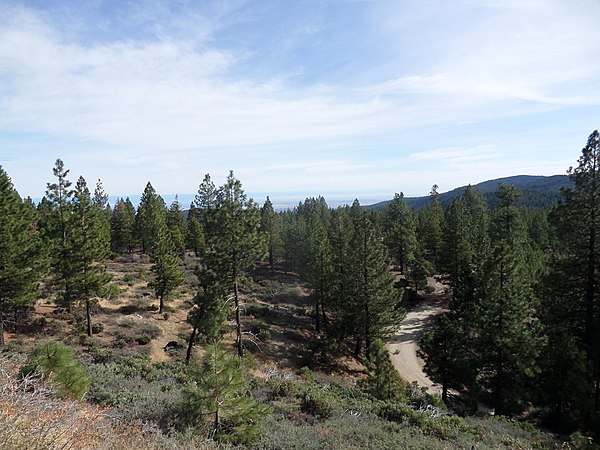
403 345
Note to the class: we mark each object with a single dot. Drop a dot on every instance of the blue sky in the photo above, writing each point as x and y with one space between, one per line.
345 98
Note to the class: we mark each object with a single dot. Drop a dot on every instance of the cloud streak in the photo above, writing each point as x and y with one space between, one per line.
162 86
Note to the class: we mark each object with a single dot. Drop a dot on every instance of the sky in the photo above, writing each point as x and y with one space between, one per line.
341 98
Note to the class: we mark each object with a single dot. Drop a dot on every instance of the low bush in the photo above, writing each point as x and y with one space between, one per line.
317 402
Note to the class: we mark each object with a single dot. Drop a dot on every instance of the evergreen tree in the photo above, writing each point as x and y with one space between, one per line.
238 245
319 272
446 361
400 231
177 226
150 214
165 263
572 310
269 223
313 253
22 258
466 238
509 337
206 201
509 333
56 362
291 238
100 201
209 310
431 220
59 224
122 227
341 234
420 269
89 248
373 296
195 233
219 395
383 380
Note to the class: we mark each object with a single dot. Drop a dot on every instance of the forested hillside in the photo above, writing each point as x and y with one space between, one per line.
537 192
235 325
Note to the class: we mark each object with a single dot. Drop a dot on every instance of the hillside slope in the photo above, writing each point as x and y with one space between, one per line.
537 192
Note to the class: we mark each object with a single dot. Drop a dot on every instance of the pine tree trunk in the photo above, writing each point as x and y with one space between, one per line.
188 355
271 260
88 316
597 394
357 347
445 391
499 382
217 423
325 320
1 332
589 296
238 323
317 312
161 303
366 299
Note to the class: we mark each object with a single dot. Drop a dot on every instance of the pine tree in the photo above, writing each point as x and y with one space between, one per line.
431 221
573 306
319 272
195 233
100 201
177 226
314 255
341 233
150 214
420 269
57 363
209 310
220 396
383 380
58 227
205 202
466 238
509 337
372 292
165 263
446 361
269 223
89 248
22 257
400 231
122 227
238 245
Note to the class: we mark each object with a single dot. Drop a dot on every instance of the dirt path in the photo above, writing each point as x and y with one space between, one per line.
403 346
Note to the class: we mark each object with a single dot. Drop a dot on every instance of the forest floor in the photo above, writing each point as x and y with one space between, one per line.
403 346
276 315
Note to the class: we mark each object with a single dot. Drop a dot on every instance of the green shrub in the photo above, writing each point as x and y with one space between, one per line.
57 363
129 278
280 387
317 402
143 339
97 328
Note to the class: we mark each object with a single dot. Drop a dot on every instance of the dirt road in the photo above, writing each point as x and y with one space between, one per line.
403 346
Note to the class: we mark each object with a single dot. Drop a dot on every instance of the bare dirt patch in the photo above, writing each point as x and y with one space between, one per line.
403 346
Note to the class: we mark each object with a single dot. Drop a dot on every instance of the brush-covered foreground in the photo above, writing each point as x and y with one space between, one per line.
136 388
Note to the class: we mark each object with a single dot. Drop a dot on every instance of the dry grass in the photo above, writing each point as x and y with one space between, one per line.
31 418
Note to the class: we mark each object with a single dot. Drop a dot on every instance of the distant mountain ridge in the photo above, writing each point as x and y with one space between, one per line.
536 192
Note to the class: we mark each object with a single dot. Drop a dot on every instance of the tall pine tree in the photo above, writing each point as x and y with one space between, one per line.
89 248
22 258
572 311
237 246
400 231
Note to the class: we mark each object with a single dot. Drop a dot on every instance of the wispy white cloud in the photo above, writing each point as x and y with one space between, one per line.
176 91
456 155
